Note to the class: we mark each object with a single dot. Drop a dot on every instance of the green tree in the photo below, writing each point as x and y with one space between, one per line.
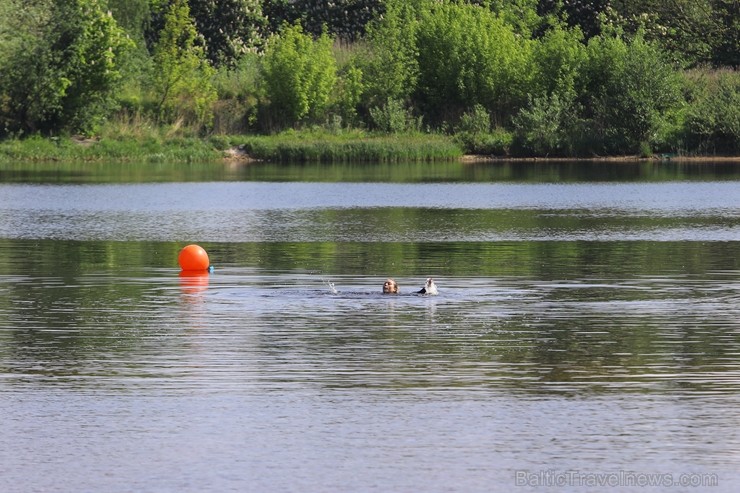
182 75
345 19
348 93
713 119
230 28
391 70
629 89
132 15
521 15
557 60
468 55
583 14
549 124
726 41
694 32
59 62
299 74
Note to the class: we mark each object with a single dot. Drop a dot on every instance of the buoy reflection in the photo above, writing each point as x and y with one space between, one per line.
193 282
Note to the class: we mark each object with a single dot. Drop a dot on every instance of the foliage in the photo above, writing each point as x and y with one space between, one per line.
239 81
132 15
477 121
628 87
583 14
548 125
236 108
182 75
545 77
725 40
467 55
299 74
345 19
476 136
521 15
230 28
392 69
348 93
154 147
557 60
713 119
394 117
694 32
59 66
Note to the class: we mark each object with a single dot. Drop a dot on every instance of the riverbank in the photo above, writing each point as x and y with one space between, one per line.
286 147
475 158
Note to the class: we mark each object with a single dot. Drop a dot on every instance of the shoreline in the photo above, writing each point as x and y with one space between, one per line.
474 158
246 150
237 156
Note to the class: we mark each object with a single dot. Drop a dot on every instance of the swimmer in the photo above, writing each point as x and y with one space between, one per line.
390 287
429 287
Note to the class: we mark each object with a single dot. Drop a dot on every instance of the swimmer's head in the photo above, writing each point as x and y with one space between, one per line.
390 286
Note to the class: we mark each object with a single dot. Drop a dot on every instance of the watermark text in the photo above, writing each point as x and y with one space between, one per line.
628 479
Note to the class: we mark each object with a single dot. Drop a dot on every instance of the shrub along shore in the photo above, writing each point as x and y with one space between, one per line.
285 147
355 147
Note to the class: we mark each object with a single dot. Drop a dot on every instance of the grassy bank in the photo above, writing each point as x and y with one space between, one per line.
147 149
355 146
291 146
287 147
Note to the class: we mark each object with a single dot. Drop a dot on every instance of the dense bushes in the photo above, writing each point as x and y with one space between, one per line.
502 78
467 55
713 120
629 89
181 76
345 19
391 68
59 65
299 74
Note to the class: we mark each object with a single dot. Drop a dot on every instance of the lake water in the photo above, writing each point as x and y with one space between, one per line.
586 335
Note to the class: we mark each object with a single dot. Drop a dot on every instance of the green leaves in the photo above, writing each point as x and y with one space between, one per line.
713 121
182 76
345 19
230 28
468 55
546 126
61 72
392 68
299 74
557 59
629 87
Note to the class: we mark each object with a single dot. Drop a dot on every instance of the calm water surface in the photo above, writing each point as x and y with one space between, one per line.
586 336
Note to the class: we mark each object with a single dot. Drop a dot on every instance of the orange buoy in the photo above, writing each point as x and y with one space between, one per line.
193 258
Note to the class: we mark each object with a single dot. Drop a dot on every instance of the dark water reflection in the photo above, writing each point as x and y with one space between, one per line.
589 327
412 172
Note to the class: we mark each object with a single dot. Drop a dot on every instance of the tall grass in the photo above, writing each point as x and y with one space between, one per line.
125 149
354 146
142 143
